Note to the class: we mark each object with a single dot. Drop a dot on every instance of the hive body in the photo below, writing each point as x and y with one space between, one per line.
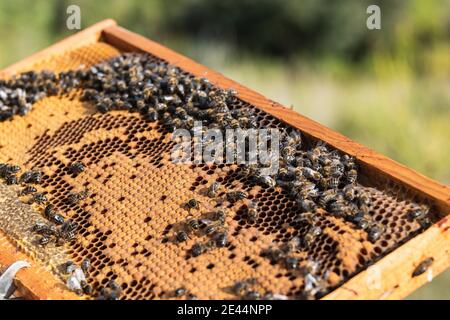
137 195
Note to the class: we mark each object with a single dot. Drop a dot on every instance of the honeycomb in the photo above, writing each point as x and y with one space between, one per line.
137 195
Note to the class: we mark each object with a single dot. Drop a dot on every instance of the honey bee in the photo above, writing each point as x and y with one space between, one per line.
234 196
52 215
423 267
179 292
198 249
192 225
252 213
192 204
274 254
418 212
307 205
334 181
221 239
38 198
85 265
362 220
11 179
292 245
76 168
75 197
44 229
311 235
44 240
291 263
326 197
181 236
307 218
311 174
213 189
239 288
8 169
267 181
351 176
27 190
374 232
218 215
349 192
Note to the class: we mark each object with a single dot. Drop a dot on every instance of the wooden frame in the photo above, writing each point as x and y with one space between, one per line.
395 269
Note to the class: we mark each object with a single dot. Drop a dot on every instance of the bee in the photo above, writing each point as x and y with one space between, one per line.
249 170
274 254
348 161
339 208
52 215
285 175
334 181
234 196
38 198
349 192
252 211
351 176
8 169
111 292
311 174
221 239
151 115
326 197
267 181
292 245
192 204
161 107
76 168
179 292
181 236
363 199
311 235
68 267
424 222
374 232
26 176
198 249
307 218
75 197
362 221
192 225
291 263
306 205
211 227
213 189
44 240
11 179
423 267
86 265
191 296
68 230
288 151
87 288
294 139
418 212
239 288
218 215
252 295
44 229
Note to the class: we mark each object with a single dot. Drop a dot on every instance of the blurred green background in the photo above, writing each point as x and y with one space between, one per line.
388 89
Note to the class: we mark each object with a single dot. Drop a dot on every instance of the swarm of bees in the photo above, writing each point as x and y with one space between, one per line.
210 225
316 178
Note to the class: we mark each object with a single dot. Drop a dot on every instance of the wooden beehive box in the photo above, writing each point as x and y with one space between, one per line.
385 273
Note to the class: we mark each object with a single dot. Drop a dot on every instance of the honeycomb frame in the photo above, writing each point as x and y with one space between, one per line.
395 267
